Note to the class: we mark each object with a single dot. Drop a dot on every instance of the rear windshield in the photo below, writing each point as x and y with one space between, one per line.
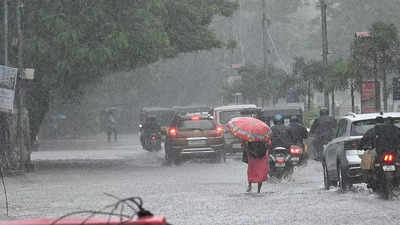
196 125
359 128
225 116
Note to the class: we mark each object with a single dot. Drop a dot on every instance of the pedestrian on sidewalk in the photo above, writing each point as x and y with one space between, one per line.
256 156
111 126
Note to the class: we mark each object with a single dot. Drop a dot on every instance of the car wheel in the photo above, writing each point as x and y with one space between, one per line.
343 185
326 177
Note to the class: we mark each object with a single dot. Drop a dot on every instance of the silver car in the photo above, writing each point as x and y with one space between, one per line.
342 157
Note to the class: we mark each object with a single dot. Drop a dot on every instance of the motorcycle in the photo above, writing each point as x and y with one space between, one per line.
385 175
297 155
152 142
280 162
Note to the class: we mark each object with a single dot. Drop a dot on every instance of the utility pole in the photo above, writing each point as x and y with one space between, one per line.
5 32
20 138
324 47
265 26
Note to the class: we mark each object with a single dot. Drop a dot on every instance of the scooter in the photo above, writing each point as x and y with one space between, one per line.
280 163
297 155
385 175
152 142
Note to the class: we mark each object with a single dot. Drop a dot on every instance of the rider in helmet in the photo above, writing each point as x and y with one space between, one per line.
297 131
150 126
323 131
384 136
280 134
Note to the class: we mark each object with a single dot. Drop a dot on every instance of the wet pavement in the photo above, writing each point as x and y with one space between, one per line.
73 175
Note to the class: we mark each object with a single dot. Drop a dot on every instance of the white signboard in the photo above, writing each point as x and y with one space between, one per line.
8 78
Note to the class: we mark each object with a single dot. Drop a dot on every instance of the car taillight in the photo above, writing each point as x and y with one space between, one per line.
280 160
195 118
295 150
388 158
220 130
172 131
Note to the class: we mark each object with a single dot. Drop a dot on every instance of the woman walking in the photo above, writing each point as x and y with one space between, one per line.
257 159
256 136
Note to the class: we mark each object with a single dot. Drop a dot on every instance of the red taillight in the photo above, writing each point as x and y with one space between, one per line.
388 158
195 118
296 150
220 130
280 160
172 131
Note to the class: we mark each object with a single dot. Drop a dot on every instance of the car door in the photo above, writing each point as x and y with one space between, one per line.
334 147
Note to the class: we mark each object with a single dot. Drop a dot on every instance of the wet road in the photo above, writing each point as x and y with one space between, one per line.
74 175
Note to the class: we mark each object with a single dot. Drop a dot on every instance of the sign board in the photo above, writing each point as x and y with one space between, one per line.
29 74
292 95
8 80
368 97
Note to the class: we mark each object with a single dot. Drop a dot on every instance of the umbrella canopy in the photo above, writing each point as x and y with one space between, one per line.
250 129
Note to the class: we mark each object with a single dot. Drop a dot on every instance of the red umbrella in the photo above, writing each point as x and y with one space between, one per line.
250 129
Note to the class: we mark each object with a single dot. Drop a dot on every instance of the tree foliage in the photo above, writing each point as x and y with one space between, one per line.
74 43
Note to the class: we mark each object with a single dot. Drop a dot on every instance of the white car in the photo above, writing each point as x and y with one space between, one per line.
342 157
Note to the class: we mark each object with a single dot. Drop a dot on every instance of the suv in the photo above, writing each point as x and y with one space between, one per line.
193 135
341 158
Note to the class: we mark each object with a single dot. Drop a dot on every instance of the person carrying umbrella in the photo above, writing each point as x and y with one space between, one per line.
256 137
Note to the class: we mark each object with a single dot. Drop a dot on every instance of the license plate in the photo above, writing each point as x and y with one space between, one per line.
197 142
295 159
389 168
237 146
280 164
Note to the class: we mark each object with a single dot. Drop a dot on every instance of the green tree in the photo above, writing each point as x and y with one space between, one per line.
385 42
74 43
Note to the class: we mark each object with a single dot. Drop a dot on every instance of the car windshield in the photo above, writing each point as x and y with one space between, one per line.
359 128
187 125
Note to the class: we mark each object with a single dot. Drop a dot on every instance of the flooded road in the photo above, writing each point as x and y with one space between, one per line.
74 175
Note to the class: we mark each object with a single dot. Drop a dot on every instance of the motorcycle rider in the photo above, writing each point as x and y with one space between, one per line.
323 130
150 126
384 136
280 134
297 131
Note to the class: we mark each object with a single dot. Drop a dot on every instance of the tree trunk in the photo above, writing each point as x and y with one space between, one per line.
377 88
385 91
333 104
353 107
309 96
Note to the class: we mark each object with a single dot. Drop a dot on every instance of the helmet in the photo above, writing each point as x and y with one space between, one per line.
278 119
294 119
324 112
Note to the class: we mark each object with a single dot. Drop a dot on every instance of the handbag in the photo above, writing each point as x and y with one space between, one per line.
245 158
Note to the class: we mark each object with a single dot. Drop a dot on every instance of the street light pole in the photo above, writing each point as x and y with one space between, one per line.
265 26
324 47
5 32
19 90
